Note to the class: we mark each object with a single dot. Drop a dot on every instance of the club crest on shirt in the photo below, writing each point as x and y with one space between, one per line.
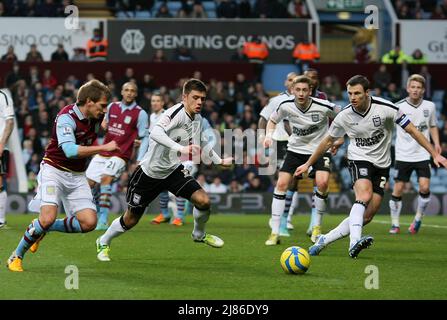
127 119
426 113
377 121
363 172
315 117
136 198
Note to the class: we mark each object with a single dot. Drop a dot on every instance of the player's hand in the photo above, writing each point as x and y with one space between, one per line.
226 162
191 149
301 169
111 146
337 144
136 143
440 160
268 142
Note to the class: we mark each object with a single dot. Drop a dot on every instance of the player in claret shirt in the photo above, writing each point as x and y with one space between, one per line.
62 172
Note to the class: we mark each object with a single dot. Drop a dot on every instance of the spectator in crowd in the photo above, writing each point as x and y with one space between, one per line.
32 182
428 82
60 54
198 12
183 54
395 56
227 9
235 186
33 55
244 9
382 78
257 53
163 11
97 46
9 56
297 9
393 93
361 53
331 86
304 54
159 56
438 13
46 8
418 57
269 9
217 186
79 54
14 76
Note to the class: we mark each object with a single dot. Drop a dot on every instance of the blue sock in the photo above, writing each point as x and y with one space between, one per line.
188 208
96 195
67 225
104 203
289 196
32 233
164 199
180 207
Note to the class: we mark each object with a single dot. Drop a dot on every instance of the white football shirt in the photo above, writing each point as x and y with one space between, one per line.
6 111
309 127
369 133
160 160
423 116
280 133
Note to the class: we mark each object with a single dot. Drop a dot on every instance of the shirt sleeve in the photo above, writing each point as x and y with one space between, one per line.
336 129
8 108
401 119
65 129
433 120
143 134
266 112
278 114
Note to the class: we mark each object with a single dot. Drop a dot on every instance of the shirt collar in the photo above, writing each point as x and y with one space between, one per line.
130 107
78 112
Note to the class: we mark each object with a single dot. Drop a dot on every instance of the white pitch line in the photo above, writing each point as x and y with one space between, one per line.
407 224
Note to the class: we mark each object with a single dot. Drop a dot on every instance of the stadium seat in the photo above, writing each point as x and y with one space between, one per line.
143 15
438 95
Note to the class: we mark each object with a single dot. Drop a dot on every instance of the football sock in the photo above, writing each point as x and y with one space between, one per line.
278 205
340 231
116 228
164 199
104 203
32 234
289 199
96 195
293 205
3 198
200 219
180 207
67 225
356 222
423 202
313 214
395 208
320 206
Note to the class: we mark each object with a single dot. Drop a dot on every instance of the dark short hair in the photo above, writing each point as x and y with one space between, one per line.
93 90
359 79
194 84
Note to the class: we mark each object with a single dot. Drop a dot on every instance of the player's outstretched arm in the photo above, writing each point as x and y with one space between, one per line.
271 126
420 138
324 145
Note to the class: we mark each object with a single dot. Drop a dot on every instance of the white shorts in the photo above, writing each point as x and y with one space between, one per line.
103 166
56 186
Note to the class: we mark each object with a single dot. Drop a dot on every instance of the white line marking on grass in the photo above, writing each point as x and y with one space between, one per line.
407 224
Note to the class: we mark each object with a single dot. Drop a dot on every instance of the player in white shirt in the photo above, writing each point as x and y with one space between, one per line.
308 118
281 136
368 122
6 127
410 155
161 169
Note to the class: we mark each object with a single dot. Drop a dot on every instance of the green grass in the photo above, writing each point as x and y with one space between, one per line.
162 262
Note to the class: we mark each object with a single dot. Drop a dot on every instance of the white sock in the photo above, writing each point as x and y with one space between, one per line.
115 230
321 206
3 198
293 205
339 232
423 202
356 222
200 219
278 205
395 208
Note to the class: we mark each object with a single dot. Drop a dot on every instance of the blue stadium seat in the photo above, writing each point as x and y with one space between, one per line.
143 15
211 14
209 5
438 95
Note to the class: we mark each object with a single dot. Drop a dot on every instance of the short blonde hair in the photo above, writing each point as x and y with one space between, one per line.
302 79
417 78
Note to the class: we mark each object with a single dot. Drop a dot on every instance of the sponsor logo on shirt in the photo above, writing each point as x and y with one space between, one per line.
305 132
366 142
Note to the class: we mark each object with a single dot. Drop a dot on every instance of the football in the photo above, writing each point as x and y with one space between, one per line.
295 260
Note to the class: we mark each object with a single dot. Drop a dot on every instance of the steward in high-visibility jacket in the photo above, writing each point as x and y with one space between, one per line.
305 51
256 51
97 47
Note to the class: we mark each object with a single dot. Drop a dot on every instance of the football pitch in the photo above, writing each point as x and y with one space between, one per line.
162 262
